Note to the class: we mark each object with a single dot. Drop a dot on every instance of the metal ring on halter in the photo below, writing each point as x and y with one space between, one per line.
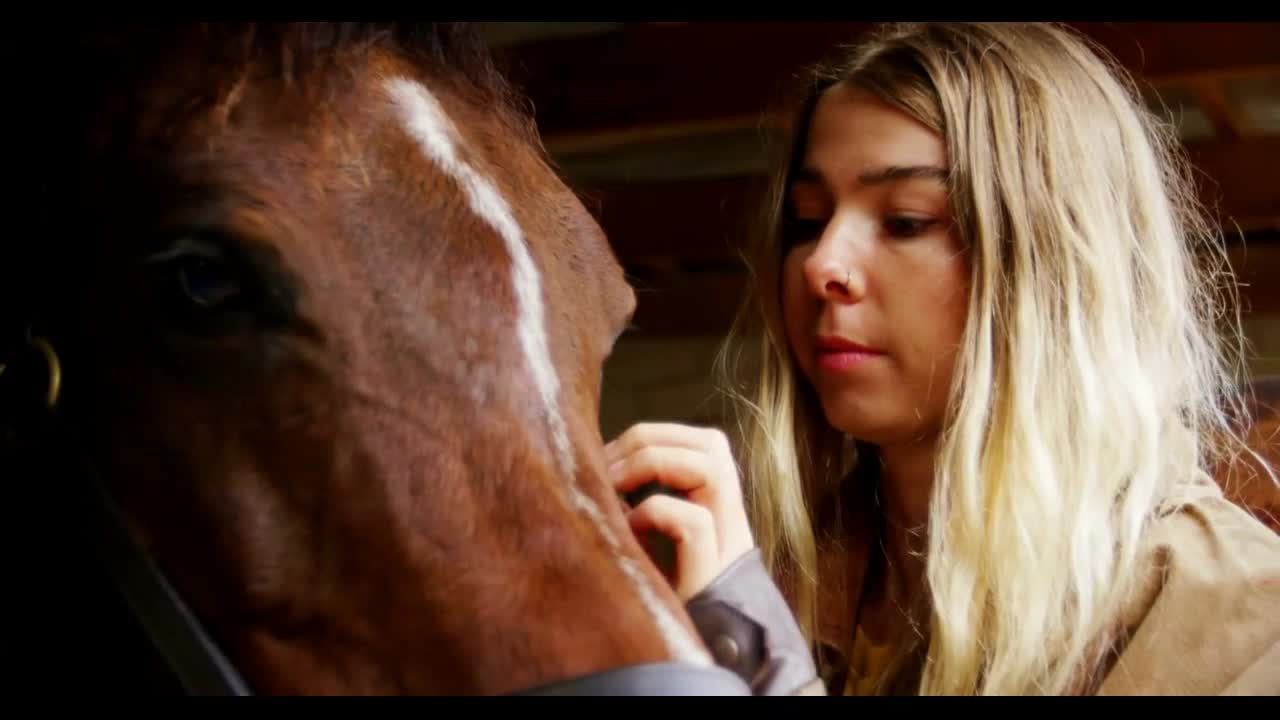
55 369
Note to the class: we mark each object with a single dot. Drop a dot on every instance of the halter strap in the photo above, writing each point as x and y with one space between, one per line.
192 655
193 658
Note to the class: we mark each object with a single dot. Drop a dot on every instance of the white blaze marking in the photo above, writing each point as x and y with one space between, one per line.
427 123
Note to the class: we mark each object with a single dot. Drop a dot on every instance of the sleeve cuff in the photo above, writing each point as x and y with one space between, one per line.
750 630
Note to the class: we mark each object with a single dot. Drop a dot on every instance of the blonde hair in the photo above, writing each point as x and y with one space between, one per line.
1099 365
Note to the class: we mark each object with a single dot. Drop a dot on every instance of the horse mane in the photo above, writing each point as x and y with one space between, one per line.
96 74
114 56
293 48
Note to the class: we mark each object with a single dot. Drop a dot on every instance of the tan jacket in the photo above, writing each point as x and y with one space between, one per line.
1207 621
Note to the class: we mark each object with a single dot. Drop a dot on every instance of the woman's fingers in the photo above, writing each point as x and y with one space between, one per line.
708 525
677 468
697 461
692 529
643 435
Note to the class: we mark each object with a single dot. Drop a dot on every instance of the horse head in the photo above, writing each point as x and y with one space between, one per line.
330 332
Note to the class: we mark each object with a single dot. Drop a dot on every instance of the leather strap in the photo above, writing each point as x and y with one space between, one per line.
191 654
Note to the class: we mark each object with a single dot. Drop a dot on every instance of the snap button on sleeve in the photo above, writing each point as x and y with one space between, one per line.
726 650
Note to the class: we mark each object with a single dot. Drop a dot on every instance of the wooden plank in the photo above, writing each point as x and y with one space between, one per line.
1227 120
1168 52
1239 180
1256 264
688 221
687 304
661 74
653 74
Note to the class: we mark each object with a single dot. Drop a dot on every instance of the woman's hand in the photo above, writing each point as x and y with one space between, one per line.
708 523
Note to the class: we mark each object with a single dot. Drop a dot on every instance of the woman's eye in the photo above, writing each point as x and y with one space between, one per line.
801 230
906 227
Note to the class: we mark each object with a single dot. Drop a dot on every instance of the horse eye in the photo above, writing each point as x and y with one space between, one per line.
206 282
199 272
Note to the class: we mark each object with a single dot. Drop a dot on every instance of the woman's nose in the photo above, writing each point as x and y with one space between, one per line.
834 272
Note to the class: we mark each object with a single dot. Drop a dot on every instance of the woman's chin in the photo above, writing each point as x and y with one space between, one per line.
873 426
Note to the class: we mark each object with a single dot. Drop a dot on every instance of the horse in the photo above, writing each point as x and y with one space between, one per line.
304 321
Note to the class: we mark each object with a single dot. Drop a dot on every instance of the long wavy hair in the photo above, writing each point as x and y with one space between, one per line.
1098 372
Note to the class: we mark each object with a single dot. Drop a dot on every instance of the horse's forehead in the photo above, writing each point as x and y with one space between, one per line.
453 131
437 137
512 190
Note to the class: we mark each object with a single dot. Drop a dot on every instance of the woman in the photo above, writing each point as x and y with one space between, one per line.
990 376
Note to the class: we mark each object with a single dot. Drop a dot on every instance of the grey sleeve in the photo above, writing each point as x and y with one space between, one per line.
744 619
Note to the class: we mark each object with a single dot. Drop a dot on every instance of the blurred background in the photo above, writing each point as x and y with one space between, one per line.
662 128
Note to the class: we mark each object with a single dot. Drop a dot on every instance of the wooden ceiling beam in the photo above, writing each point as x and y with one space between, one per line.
649 74
1238 180
1256 265
1172 52
681 305
700 221
1228 123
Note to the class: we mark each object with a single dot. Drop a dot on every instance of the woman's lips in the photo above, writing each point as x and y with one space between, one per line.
840 354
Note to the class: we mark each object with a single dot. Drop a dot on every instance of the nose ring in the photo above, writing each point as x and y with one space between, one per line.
848 278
